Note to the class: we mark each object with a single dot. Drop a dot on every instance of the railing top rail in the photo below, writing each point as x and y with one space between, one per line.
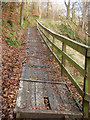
63 37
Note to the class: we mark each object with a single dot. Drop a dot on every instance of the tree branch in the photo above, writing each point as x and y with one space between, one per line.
65 3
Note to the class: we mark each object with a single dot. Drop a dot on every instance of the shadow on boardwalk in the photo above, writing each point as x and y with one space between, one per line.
36 97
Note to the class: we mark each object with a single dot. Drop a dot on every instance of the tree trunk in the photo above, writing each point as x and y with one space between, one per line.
35 8
21 15
48 9
40 12
85 7
73 15
68 12
68 8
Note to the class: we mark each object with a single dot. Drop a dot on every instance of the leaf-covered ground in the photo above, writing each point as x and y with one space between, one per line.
12 58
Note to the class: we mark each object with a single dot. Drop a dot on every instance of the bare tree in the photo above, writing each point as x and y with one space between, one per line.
35 8
40 9
73 12
47 8
68 8
84 14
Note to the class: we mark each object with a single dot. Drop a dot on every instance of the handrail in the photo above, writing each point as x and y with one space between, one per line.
81 48
75 64
75 45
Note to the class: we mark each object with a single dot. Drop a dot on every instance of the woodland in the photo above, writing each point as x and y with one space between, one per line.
69 19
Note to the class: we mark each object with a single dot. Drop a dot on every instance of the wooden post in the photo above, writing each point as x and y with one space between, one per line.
52 46
86 88
47 36
43 32
37 25
63 59
87 81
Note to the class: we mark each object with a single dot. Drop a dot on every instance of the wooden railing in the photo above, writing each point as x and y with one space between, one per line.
83 49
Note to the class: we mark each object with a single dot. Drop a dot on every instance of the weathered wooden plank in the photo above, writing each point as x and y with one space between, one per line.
35 61
57 98
39 96
64 97
68 101
31 98
40 81
27 72
23 72
18 102
45 93
52 99
32 88
24 95
47 114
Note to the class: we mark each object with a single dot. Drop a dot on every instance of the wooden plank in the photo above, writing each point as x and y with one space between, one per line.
18 101
24 95
23 72
31 98
47 114
40 81
68 101
72 43
45 93
27 73
52 99
64 97
39 96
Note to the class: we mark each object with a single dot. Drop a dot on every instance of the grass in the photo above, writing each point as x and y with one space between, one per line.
61 27
12 43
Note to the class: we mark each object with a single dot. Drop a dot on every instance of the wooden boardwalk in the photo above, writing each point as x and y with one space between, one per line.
41 94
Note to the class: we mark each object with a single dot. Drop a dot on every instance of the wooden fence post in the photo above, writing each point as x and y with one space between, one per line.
87 88
53 49
37 25
48 37
87 85
63 59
